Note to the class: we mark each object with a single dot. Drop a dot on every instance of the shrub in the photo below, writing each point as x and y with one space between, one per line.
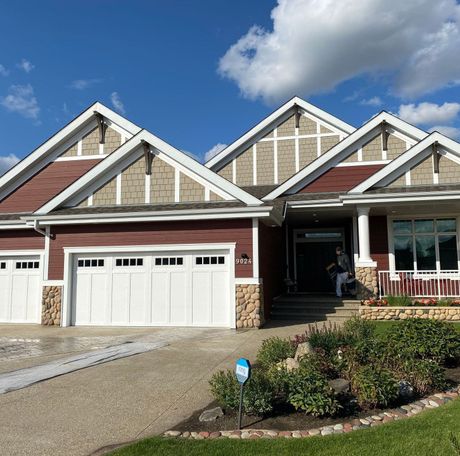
359 330
274 350
424 339
309 390
374 386
329 365
258 392
399 301
425 376
329 338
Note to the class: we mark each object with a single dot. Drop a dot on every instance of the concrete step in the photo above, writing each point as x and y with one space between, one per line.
303 319
314 306
314 316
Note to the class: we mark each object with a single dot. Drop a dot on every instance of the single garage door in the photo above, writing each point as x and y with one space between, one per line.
164 289
20 289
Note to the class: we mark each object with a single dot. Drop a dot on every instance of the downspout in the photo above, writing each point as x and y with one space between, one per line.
38 229
286 234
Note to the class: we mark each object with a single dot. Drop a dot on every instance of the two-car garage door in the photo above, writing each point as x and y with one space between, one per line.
152 289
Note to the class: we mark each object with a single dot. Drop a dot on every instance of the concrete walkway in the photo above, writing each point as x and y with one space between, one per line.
123 400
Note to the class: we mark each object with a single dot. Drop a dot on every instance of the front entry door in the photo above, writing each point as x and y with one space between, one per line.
314 252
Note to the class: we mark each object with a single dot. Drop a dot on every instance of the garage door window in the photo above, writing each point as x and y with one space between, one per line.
205 260
91 263
126 262
26 265
3 265
169 261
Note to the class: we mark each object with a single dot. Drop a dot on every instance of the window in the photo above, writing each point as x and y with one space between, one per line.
206 260
169 261
2 265
26 265
425 244
91 263
125 262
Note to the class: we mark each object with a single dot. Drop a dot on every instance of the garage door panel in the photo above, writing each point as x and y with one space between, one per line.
5 300
201 305
219 293
178 299
120 296
137 299
98 299
160 296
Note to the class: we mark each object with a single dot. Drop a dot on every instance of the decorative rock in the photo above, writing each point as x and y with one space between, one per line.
173 433
314 432
211 414
303 349
339 385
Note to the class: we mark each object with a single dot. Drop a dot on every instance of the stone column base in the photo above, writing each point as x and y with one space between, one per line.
51 305
366 282
249 306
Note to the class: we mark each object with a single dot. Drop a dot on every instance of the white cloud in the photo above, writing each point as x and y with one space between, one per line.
21 99
374 101
3 70
429 113
214 151
82 84
117 103
315 45
451 132
7 162
25 65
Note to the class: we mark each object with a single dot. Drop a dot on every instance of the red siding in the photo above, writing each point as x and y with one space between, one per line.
21 240
341 178
212 231
379 241
46 184
271 263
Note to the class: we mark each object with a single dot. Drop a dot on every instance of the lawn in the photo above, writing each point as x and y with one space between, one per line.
381 327
424 435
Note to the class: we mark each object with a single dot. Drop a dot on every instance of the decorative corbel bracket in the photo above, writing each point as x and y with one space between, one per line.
102 126
297 116
148 156
385 135
435 153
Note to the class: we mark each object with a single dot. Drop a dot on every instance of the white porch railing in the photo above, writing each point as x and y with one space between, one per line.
420 284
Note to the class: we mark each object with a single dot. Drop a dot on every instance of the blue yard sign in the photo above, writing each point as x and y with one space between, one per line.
243 371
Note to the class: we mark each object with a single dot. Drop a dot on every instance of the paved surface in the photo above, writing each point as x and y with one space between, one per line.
120 401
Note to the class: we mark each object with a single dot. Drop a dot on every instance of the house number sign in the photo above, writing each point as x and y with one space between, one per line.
243 261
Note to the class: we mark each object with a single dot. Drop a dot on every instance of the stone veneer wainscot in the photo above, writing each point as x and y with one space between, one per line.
366 282
403 313
249 306
51 305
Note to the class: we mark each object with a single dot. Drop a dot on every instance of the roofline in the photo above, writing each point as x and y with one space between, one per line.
329 118
310 172
145 216
117 156
60 137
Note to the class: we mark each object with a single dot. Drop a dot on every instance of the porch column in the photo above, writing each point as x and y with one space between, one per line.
363 235
365 268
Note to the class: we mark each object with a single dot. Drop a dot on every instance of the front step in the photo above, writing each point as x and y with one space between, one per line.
313 308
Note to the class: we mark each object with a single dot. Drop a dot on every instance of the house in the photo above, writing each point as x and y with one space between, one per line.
107 224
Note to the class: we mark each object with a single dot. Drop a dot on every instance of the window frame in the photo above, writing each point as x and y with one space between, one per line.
413 234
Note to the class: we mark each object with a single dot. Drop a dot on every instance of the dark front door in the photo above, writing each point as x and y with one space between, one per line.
312 259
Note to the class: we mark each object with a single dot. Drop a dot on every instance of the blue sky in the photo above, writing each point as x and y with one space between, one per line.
200 73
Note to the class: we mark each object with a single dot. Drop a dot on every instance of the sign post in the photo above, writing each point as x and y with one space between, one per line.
243 373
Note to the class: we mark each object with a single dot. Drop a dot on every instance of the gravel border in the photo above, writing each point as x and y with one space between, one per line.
405 411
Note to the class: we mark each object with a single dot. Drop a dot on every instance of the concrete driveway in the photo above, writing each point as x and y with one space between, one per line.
120 401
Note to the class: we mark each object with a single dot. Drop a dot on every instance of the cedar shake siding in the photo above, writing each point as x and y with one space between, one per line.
379 241
21 240
156 233
271 263
45 185
341 178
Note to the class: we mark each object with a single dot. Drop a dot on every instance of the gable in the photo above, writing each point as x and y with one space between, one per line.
282 152
166 185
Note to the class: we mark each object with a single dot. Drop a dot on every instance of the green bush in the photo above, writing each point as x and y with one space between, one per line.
258 392
357 329
399 301
424 339
328 338
274 350
309 390
374 386
425 376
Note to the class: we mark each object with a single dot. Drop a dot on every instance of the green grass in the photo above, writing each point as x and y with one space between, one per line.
424 435
381 327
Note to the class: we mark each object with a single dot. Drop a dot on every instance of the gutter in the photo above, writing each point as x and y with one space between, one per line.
37 228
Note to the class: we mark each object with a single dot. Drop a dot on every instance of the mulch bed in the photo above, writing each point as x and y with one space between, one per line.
283 420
